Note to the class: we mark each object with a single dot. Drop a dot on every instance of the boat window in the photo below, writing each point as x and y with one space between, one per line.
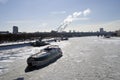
48 49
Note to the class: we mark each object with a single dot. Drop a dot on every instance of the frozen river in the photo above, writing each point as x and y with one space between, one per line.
84 58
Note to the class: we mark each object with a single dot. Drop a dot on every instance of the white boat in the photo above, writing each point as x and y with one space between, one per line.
45 56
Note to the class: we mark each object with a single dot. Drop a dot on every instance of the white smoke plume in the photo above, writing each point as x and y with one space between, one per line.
72 18
86 12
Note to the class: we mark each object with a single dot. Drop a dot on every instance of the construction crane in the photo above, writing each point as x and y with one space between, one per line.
60 29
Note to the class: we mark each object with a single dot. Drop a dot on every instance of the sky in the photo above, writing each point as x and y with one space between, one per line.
47 15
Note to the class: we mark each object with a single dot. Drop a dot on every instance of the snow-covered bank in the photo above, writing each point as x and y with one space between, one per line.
7 47
14 43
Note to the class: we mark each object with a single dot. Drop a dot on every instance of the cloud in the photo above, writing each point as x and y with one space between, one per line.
76 14
3 1
108 26
73 17
58 12
68 19
86 12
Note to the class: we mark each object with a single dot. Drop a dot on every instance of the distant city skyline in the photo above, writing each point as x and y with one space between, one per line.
47 15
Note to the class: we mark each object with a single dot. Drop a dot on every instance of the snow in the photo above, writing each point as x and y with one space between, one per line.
84 58
11 55
13 43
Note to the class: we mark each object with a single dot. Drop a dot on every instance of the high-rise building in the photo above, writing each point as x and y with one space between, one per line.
15 29
101 30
